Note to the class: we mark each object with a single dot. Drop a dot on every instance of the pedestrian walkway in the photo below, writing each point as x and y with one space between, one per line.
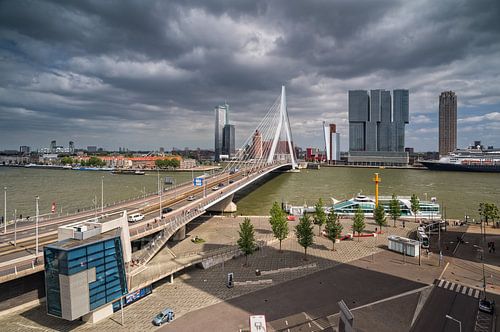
458 288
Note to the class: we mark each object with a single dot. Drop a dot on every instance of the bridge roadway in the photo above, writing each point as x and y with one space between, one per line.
16 261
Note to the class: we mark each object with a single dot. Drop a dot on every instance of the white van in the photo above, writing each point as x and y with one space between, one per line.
135 217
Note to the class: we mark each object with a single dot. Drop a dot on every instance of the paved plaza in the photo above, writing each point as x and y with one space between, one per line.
195 288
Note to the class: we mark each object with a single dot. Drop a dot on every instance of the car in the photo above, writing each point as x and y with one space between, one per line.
165 316
487 306
221 184
135 217
215 188
231 181
167 210
191 198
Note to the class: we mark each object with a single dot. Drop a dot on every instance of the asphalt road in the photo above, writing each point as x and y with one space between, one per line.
314 296
442 302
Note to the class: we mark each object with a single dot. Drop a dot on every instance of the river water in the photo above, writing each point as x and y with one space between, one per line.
459 192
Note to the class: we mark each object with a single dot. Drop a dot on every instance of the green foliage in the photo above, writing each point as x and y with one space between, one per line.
279 224
246 242
488 211
379 216
333 227
93 162
319 215
358 222
167 163
304 233
394 208
415 205
67 160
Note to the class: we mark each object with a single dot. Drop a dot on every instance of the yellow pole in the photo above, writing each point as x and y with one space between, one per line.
377 180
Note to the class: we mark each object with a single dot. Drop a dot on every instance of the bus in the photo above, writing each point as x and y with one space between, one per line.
424 240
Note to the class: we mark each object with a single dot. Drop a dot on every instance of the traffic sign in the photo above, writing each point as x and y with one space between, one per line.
198 182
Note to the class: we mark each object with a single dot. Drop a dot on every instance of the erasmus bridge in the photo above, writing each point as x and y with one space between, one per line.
268 148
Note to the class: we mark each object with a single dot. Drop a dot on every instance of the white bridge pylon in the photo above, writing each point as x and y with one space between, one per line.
283 119
270 142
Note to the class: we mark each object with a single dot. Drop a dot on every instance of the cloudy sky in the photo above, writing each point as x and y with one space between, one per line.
145 74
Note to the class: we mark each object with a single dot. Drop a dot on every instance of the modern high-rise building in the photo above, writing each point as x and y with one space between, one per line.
257 148
228 141
53 147
447 122
332 142
71 147
221 119
377 127
24 149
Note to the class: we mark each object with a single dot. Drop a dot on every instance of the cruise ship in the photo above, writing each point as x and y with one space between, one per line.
428 210
470 160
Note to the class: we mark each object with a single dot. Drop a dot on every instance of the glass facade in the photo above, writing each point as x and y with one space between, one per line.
107 259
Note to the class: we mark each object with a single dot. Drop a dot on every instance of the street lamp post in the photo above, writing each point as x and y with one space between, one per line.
36 226
456 320
102 194
15 227
161 196
481 250
4 210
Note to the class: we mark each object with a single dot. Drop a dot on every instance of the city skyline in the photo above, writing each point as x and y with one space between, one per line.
101 75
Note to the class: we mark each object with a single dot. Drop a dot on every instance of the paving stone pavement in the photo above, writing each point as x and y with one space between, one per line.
195 288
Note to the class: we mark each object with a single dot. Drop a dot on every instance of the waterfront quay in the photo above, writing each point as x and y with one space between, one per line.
294 293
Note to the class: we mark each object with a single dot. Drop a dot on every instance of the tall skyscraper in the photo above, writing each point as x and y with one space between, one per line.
447 122
221 119
71 147
257 147
377 130
228 141
332 142
53 147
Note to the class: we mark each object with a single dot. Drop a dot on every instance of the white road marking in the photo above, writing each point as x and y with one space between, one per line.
441 282
464 290
286 322
470 291
476 295
452 285
446 284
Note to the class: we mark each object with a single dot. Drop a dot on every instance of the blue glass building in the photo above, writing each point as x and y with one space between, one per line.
84 275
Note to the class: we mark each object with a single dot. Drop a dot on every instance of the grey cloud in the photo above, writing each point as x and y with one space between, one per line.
138 71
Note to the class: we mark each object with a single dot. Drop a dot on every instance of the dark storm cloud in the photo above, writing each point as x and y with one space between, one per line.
148 73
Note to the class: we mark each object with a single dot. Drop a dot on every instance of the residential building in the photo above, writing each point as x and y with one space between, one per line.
447 122
256 150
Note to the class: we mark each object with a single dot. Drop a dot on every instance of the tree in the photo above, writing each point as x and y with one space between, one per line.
304 233
67 160
415 205
333 227
358 222
279 224
95 162
488 211
394 208
319 215
246 242
379 215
